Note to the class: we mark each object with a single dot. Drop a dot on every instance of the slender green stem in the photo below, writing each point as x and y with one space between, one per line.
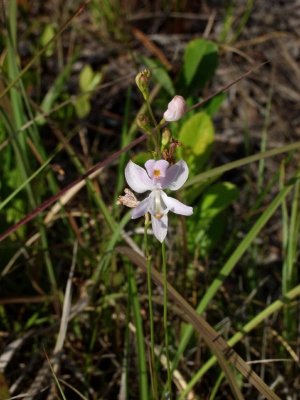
155 134
163 251
151 113
149 285
216 386
264 138
140 338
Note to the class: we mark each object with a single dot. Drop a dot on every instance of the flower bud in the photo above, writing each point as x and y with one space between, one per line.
143 122
176 109
166 137
142 81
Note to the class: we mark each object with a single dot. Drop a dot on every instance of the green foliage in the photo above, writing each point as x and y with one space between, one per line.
160 74
47 35
209 221
199 64
109 324
88 81
141 158
197 137
55 91
216 198
213 106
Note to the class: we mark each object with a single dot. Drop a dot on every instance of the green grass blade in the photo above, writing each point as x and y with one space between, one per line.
22 154
26 182
289 270
264 137
212 338
230 264
106 257
216 387
240 163
293 238
142 365
263 315
40 52
55 379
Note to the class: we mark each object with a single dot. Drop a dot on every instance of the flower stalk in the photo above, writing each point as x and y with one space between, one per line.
150 304
165 319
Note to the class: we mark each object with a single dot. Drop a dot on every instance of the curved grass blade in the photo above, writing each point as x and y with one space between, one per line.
240 163
213 340
142 365
43 49
231 263
252 324
108 160
55 197
25 183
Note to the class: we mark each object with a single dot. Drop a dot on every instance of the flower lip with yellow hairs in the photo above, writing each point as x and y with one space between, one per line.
157 176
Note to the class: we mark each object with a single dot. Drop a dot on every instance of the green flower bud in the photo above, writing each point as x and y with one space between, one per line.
142 81
166 137
143 122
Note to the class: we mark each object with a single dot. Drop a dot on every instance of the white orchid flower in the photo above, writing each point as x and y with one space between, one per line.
158 176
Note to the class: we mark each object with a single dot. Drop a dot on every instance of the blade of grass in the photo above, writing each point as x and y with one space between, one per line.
213 340
20 146
227 23
231 263
111 158
243 20
131 75
142 365
252 324
126 136
168 393
25 183
66 306
124 385
289 269
264 137
71 100
55 378
216 387
285 227
240 163
67 384
133 293
43 49
106 257
55 90
56 197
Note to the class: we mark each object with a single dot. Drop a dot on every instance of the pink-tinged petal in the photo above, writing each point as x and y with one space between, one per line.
160 227
149 165
137 178
176 109
157 169
176 206
141 209
176 176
